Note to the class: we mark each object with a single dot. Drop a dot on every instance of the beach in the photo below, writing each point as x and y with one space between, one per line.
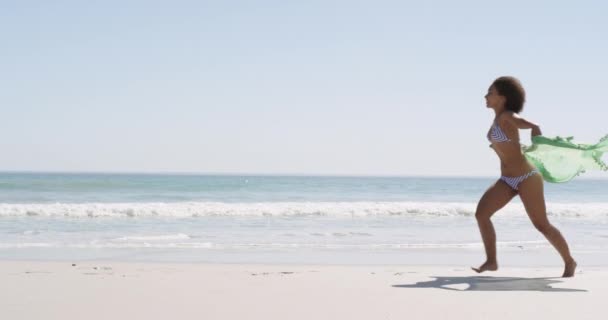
114 246
119 290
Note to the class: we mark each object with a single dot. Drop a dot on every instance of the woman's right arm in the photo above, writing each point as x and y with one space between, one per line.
521 123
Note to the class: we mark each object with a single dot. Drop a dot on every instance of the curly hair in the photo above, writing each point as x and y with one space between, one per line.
513 91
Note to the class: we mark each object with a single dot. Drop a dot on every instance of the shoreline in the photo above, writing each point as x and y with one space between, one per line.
542 257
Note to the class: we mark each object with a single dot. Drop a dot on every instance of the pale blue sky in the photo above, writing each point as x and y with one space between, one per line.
289 87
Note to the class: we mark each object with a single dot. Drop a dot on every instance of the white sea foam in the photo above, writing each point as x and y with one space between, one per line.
337 209
332 209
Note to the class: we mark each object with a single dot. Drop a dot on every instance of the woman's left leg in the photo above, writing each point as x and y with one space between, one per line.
532 195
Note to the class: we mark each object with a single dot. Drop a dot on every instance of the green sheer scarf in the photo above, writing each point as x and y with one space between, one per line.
559 159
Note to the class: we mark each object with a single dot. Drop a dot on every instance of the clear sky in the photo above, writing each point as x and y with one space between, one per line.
289 87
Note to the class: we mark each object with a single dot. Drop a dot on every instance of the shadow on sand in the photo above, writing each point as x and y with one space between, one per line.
476 283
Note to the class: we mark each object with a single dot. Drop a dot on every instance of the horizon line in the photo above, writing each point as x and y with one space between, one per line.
261 174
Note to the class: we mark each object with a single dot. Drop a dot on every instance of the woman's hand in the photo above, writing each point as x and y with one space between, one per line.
536 131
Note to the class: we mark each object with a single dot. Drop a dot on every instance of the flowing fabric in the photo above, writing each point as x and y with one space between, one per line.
559 159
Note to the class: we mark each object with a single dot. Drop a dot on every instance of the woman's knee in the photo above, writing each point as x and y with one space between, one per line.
482 215
542 227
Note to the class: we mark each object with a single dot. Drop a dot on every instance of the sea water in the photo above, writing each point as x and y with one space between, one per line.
285 219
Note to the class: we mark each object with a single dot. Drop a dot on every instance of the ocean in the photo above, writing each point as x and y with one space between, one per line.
285 219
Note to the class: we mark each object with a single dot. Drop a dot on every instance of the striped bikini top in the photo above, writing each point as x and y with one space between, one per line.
497 135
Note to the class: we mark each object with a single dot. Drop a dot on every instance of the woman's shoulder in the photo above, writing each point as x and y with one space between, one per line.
506 118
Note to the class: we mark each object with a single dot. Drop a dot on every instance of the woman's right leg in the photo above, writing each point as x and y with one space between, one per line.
496 197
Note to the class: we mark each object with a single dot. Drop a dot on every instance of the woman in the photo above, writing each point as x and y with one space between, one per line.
506 97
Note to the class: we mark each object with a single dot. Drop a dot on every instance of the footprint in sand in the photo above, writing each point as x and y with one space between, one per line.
270 273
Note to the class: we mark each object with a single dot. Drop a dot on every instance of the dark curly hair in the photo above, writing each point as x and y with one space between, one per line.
513 91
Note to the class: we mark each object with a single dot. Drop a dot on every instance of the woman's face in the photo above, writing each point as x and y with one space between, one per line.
494 100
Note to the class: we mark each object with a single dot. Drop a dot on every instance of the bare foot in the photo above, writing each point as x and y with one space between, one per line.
569 269
487 266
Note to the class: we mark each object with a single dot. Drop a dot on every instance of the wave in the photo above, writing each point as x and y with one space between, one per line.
286 209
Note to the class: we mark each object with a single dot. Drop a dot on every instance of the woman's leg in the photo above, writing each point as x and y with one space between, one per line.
496 197
531 194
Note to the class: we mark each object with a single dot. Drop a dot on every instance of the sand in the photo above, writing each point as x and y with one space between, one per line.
120 290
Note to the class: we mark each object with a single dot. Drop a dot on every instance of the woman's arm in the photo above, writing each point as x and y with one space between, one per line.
519 122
